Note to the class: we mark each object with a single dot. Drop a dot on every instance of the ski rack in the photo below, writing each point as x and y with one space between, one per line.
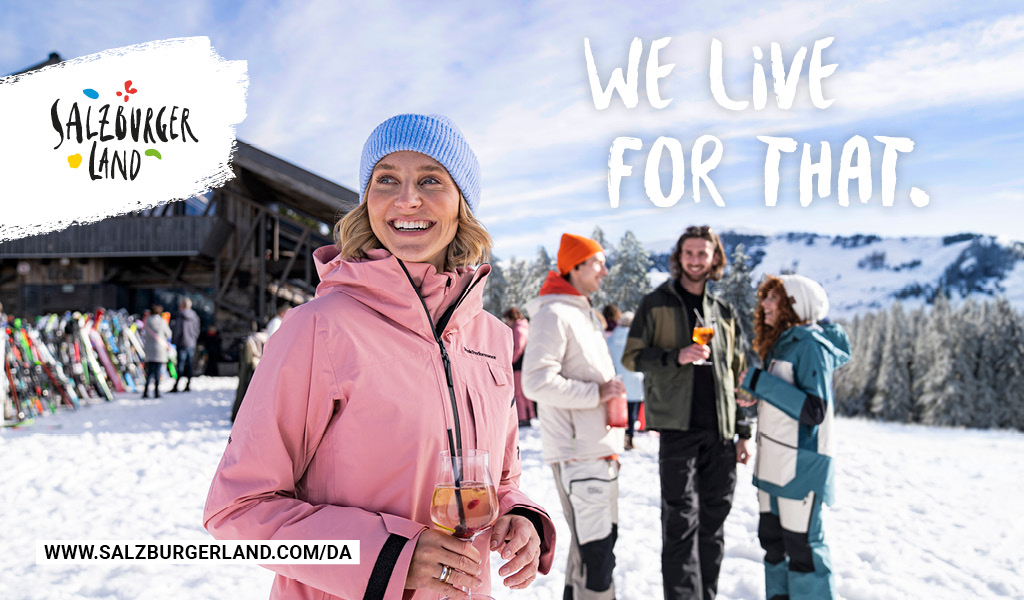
65 362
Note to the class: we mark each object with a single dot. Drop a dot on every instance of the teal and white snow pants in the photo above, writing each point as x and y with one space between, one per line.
797 564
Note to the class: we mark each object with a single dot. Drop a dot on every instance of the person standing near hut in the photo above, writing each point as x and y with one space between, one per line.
185 333
154 344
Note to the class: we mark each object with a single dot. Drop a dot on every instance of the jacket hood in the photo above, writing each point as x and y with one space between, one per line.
579 301
832 337
556 284
379 282
557 289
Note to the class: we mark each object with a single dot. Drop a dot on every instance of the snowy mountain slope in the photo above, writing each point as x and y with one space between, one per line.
866 272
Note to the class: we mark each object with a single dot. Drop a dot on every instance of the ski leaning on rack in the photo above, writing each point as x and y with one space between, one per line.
56 361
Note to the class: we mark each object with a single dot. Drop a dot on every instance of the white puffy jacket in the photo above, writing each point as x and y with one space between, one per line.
565 361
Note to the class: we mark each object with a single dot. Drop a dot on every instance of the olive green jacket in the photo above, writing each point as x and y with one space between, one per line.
661 328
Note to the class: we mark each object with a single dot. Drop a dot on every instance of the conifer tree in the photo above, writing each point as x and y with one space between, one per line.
737 288
962 383
938 366
1006 343
921 317
539 269
935 352
496 290
893 397
601 297
1011 386
864 364
628 281
991 338
599 237
519 287
843 385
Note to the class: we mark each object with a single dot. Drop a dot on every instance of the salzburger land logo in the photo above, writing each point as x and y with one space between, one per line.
145 125
124 130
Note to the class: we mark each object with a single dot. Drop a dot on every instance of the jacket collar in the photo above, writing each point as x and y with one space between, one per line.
831 337
379 282
556 284
669 285
575 300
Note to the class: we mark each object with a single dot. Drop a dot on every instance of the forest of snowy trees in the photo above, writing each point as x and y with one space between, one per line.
936 365
519 281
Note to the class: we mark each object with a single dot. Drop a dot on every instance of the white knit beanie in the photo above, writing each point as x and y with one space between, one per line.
809 299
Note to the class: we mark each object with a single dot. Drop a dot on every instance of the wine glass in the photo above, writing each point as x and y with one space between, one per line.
703 331
465 502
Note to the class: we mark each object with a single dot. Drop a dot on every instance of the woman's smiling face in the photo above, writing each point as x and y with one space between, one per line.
770 304
413 204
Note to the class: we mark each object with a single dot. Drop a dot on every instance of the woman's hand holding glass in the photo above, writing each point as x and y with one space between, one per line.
434 551
514 537
465 502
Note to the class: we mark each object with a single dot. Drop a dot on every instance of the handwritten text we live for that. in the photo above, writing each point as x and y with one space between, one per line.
854 163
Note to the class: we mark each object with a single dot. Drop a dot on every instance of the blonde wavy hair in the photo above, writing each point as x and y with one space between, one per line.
471 246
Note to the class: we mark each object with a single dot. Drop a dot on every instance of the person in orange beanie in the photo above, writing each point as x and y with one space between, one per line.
574 250
569 373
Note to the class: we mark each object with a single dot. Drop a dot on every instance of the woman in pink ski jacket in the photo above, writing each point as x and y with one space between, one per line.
339 434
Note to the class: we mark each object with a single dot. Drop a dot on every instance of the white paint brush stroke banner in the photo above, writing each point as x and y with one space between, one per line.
41 192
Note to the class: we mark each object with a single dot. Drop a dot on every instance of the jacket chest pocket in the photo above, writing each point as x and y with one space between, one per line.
776 461
489 401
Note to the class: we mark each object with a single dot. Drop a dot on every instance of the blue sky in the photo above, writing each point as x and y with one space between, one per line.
514 77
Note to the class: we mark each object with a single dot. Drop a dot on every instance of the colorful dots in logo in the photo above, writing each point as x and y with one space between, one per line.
128 89
154 152
91 93
75 160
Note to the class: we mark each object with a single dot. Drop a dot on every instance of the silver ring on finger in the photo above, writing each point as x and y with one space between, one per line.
446 573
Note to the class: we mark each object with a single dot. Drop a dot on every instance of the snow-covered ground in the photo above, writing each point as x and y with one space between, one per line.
923 513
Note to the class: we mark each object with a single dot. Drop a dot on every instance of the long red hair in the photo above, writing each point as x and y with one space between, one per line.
766 335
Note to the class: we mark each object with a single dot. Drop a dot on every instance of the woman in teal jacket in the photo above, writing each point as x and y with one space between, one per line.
793 468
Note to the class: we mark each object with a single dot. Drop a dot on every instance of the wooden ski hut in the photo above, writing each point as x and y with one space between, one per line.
238 251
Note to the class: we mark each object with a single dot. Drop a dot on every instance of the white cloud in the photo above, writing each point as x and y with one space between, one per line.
1004 31
534 193
974 63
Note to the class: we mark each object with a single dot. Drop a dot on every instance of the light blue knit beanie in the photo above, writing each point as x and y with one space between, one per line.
433 135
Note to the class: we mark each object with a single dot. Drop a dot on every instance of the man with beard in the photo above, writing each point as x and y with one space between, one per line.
689 398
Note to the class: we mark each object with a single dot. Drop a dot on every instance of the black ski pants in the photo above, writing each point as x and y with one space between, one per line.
698 478
152 374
